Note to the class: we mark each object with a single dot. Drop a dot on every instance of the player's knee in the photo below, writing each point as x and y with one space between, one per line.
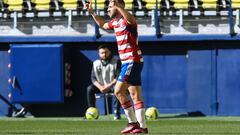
117 93
136 99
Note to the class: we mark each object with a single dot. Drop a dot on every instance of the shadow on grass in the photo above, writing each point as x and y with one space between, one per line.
186 115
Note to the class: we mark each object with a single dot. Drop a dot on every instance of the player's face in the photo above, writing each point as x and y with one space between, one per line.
112 11
104 53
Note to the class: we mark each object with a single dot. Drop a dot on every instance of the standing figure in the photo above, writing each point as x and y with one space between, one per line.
125 28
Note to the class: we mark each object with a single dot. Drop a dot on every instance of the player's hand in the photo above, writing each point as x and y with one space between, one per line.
88 6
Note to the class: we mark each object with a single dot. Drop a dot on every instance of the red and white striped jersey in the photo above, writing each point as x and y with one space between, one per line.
127 40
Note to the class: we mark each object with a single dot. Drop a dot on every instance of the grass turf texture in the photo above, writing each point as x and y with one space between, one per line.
106 126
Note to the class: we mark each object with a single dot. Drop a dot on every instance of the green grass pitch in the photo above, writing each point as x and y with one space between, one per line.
106 126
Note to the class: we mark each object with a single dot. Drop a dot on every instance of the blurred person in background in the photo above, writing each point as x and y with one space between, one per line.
104 75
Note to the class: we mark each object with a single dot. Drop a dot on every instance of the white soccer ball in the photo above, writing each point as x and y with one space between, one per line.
152 113
92 113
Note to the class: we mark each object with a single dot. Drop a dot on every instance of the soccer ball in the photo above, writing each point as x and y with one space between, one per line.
92 113
151 113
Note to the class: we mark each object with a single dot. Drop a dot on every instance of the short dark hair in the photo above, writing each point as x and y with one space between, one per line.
121 2
103 47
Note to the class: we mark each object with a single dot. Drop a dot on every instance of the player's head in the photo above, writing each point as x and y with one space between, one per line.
112 11
104 52
121 2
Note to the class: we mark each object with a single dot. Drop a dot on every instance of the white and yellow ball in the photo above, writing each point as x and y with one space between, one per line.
152 113
92 113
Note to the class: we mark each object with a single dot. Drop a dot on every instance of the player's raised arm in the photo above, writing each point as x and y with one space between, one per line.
99 20
120 7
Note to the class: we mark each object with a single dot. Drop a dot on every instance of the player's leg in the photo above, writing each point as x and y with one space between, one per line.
120 92
136 95
135 91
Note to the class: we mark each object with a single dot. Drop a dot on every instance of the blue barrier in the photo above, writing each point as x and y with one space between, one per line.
164 82
93 39
4 86
228 81
176 79
201 82
37 73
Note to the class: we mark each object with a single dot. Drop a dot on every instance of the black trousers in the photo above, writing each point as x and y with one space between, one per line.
91 99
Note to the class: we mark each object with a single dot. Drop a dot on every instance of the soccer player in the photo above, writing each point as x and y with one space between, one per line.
125 27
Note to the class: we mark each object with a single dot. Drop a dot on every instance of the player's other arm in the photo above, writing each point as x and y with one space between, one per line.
99 20
129 17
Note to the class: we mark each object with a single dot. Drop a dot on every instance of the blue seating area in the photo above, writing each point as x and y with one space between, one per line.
69 17
132 5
